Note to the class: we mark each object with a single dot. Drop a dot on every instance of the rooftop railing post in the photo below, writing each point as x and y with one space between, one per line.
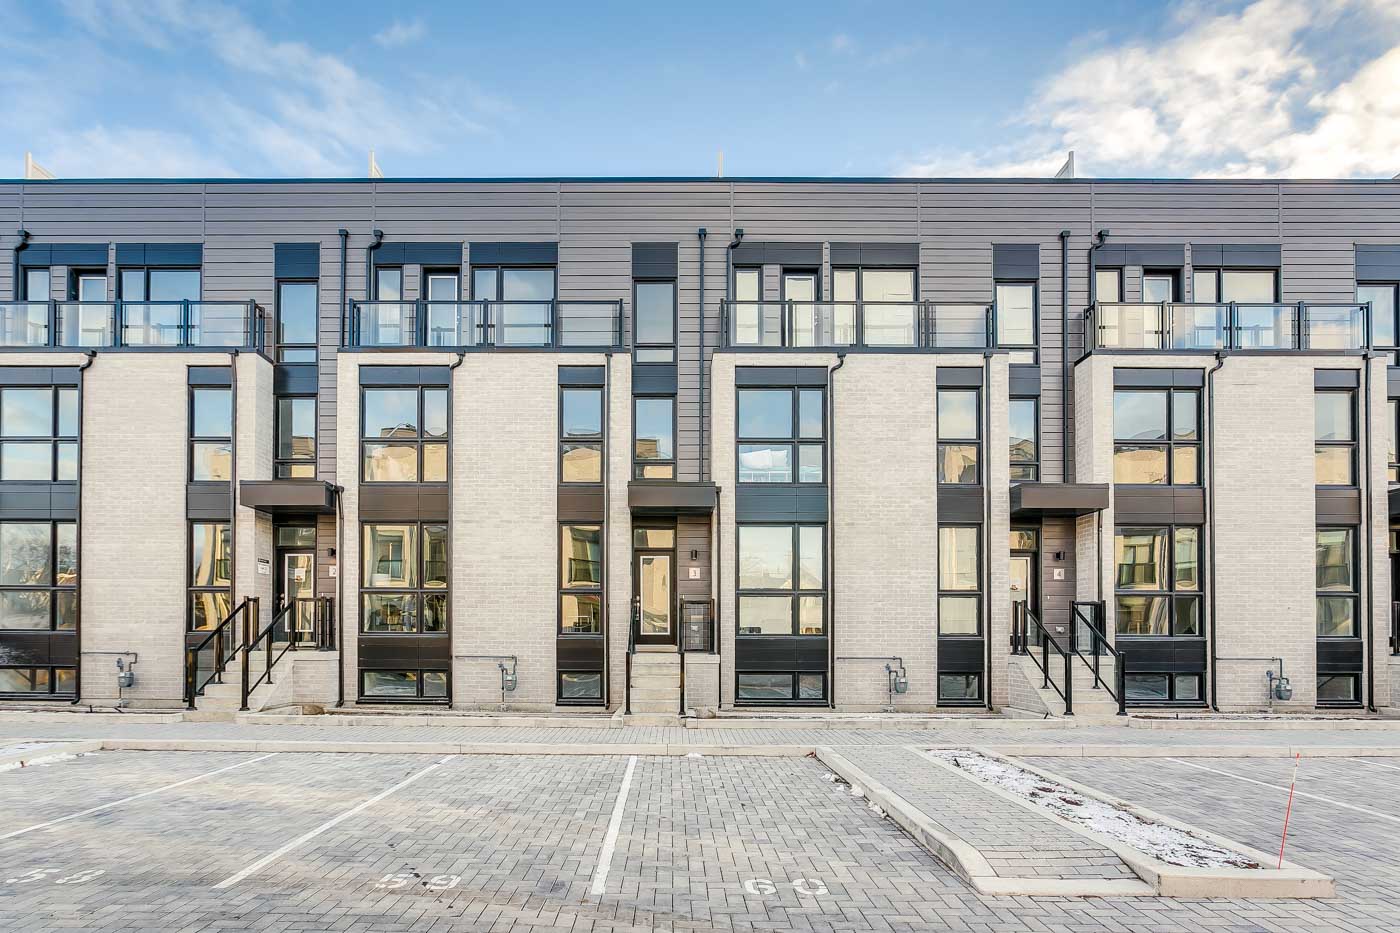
118 323
52 335
1302 340
552 337
1232 326
420 323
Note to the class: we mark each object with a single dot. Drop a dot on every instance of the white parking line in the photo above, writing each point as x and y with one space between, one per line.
1284 788
1375 764
600 874
271 857
117 803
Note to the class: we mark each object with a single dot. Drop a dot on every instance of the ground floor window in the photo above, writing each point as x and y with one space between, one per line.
1163 688
38 681
580 685
781 686
404 685
959 688
211 574
1343 689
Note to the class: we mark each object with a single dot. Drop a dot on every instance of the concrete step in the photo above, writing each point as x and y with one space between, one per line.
668 662
656 678
658 718
671 694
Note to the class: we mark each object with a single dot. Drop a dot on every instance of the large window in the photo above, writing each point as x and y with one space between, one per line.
37 284
1337 591
1015 313
519 302
1249 286
38 576
403 685
145 284
959 436
211 434
581 580
296 322
654 438
959 580
404 585
404 437
890 315
580 435
38 434
1385 301
1157 436
1025 439
1334 433
1157 581
782 580
654 322
211 574
296 437
781 435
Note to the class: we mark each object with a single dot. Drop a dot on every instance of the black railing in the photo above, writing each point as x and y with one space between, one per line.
253 637
1395 628
85 325
219 646
557 323
1023 625
1301 325
1087 621
835 324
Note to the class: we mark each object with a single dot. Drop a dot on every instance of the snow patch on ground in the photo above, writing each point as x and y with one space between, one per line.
1164 843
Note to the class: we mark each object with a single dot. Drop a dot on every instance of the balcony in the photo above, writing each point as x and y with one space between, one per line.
83 325
559 324
912 325
1230 326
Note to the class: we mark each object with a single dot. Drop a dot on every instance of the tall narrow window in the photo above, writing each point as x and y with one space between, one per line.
1108 285
296 322
781 433
211 574
959 436
959 580
580 580
1334 421
654 433
751 325
654 322
1025 439
404 435
1337 590
1157 592
38 434
580 435
211 434
1015 310
404 591
296 437
1157 437
1384 304
36 284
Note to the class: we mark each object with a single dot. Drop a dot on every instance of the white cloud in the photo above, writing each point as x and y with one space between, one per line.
399 33
842 43
1261 91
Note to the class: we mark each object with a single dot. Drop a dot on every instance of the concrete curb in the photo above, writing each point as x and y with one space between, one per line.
443 721
1266 725
1186 751
51 749
450 748
1291 881
964 858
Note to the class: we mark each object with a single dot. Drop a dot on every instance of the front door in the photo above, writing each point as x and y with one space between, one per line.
654 605
298 588
1022 579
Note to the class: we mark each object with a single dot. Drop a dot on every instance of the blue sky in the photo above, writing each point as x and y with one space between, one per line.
1195 87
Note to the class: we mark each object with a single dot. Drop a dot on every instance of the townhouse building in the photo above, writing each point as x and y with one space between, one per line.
658 445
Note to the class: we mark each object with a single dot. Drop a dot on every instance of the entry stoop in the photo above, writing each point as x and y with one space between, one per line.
1029 695
656 682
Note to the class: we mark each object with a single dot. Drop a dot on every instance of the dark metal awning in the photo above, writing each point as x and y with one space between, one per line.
287 496
1051 500
646 498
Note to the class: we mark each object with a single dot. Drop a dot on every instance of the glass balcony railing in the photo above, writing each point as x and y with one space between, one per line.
1301 325
107 324
453 324
828 324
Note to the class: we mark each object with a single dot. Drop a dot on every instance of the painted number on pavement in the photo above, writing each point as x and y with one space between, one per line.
405 879
47 874
809 887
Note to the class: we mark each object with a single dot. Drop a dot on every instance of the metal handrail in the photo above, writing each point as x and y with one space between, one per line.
1021 621
1395 628
269 661
837 324
186 323
221 658
552 322
1296 325
1099 640
631 650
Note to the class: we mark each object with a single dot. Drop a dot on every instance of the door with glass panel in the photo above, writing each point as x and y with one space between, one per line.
800 291
298 590
654 586
1022 581
519 304
443 290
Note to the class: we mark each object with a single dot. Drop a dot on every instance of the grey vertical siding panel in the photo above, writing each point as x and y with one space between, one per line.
1056 534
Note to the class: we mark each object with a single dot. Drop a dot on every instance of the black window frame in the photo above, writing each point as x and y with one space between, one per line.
639 465
1353 703
1352 594
951 592
638 347
283 466
279 346
419 590
794 697
975 442
565 589
420 440
53 587
1171 593
379 270
1034 463
568 441
1393 441
1172 273
53 691
1351 445
76 274
191 589
56 439
23 284
1218 272
146 271
1171 443
418 697
794 442
796 593
1394 288
1034 346
195 440
1173 697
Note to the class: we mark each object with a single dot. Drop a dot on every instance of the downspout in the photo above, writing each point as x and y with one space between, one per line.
729 262
233 486
1210 526
19 247
607 531
1065 375
700 235
78 520
1369 631
451 392
369 264
985 537
344 304
830 524
340 595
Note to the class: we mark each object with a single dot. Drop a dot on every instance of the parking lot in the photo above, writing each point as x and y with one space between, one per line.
239 840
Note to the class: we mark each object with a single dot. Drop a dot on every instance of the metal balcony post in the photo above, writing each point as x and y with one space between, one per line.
52 311
1232 326
1045 657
